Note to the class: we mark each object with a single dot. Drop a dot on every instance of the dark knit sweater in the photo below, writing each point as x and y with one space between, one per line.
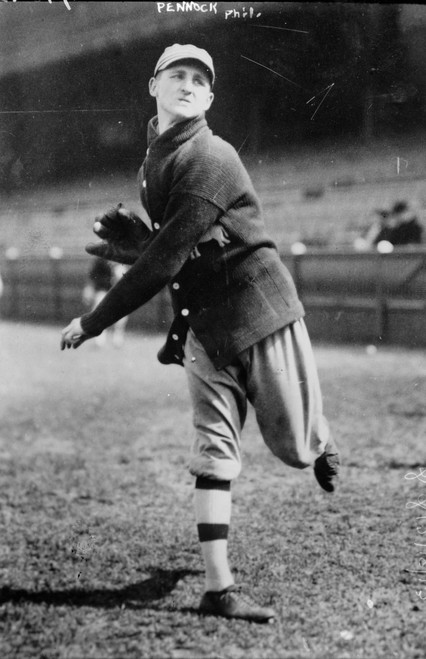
232 296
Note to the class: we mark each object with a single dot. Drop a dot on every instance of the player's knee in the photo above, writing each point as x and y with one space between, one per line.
210 467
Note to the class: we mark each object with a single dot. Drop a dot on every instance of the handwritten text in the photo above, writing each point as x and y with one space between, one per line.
419 477
66 3
204 7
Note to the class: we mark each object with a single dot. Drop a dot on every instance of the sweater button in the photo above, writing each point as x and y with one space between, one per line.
156 225
185 312
176 286
144 184
175 337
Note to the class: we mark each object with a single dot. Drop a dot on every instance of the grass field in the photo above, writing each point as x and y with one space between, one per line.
98 549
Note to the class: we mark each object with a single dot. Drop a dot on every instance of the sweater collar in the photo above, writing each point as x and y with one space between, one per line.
175 135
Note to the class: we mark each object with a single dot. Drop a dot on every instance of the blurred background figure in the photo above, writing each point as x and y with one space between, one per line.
405 227
102 276
397 226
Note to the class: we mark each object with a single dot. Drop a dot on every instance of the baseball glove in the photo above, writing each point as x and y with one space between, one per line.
123 235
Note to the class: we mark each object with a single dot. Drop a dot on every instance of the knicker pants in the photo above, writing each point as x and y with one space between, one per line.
278 376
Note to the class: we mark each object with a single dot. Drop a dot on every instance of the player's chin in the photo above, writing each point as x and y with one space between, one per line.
184 113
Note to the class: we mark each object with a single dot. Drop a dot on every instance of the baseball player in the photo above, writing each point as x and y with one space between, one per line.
238 329
103 275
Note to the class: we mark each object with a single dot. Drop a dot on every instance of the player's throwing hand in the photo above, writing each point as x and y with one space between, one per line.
73 335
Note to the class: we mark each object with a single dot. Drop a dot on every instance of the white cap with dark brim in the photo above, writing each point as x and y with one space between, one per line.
179 52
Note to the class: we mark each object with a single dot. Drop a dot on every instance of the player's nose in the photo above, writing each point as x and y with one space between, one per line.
187 86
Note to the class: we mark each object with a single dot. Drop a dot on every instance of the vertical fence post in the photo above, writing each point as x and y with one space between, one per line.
296 273
296 270
381 304
298 249
55 254
12 256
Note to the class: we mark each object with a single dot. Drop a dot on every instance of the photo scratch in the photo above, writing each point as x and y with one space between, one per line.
61 111
287 29
328 90
398 164
244 141
272 71
319 93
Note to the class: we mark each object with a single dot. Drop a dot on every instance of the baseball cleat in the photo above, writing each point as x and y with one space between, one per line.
231 603
327 467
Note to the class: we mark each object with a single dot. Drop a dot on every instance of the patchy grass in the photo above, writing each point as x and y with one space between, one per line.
98 548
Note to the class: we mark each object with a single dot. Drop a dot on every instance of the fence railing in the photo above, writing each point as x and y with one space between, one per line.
363 296
348 296
49 289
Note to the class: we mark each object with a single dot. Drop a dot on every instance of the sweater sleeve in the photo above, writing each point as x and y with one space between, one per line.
186 219
215 174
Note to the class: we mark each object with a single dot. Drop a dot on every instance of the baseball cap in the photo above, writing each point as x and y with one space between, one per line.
179 51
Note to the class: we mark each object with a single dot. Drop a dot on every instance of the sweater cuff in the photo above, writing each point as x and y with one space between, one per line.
90 325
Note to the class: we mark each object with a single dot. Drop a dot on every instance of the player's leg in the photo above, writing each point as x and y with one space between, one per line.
212 501
220 407
219 411
284 389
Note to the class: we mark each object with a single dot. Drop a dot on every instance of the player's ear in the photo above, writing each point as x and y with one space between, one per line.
210 100
152 85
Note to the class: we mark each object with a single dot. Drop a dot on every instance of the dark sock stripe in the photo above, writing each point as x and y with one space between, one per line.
209 532
210 484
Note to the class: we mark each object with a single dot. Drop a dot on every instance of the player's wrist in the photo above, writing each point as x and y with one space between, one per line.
88 324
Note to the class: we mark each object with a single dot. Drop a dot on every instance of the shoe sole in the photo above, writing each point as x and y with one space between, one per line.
262 621
327 475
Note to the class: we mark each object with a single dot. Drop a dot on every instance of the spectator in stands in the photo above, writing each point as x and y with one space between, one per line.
404 228
103 275
398 226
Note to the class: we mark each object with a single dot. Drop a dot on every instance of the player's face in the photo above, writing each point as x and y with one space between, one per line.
182 92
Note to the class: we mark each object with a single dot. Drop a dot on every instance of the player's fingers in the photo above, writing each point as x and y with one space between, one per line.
125 216
66 342
106 223
104 232
113 253
111 218
79 340
103 250
225 236
72 334
73 341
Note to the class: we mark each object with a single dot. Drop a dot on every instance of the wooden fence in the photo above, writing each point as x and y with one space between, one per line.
363 297
366 297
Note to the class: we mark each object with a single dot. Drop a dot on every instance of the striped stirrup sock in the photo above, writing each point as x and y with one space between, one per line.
213 515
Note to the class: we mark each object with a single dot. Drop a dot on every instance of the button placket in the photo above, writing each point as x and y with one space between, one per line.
144 186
